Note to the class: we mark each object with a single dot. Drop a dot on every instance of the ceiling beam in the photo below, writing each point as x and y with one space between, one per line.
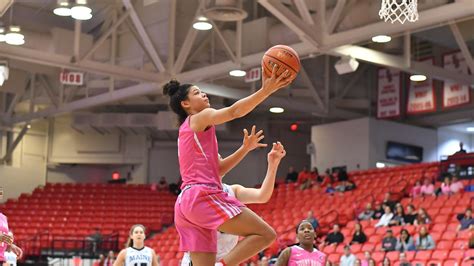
104 36
462 45
155 58
307 81
285 15
336 14
304 11
434 16
397 62
227 47
63 61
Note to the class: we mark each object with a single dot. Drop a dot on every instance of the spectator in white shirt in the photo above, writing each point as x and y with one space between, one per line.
348 259
386 218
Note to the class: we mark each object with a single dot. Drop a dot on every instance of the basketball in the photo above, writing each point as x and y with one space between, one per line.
284 57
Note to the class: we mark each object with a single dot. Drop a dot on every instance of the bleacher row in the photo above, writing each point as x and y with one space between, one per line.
74 210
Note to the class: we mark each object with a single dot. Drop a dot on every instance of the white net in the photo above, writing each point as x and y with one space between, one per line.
399 10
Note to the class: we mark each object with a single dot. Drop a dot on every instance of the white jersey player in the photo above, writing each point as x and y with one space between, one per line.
136 254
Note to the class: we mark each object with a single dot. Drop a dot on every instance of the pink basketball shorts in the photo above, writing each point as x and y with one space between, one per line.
199 210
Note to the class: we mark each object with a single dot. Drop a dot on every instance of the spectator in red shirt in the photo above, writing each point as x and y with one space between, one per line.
304 179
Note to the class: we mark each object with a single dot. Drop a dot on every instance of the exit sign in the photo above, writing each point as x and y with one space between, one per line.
71 78
253 74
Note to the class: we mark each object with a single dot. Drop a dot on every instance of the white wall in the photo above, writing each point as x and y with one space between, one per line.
448 142
68 146
382 131
363 141
342 143
28 165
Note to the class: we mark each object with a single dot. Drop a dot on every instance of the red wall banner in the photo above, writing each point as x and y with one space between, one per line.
388 93
421 95
455 94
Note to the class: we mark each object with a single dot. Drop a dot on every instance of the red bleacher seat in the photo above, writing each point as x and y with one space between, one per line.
423 255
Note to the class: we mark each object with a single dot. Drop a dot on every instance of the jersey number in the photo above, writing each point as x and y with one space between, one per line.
141 264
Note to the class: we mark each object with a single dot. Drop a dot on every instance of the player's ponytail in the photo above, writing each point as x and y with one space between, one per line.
177 93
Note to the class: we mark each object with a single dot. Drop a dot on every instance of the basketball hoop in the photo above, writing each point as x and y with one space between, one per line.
399 10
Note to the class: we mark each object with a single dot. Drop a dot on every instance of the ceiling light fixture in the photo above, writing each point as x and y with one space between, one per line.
381 38
470 129
62 8
4 71
81 11
277 110
417 77
14 36
202 23
237 73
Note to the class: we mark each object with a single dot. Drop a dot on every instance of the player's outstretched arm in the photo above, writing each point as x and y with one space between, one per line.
242 107
264 193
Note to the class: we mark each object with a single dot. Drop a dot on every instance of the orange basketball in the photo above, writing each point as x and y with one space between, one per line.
284 57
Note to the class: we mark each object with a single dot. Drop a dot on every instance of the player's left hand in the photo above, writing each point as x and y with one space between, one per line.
252 141
18 251
277 153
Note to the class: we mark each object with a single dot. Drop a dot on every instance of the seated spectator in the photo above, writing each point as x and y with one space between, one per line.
428 188
367 214
342 176
371 262
109 261
405 242
424 241
95 239
304 178
347 259
292 175
315 175
386 262
471 240
467 222
387 201
330 189
445 188
386 218
359 236
367 258
335 237
416 190
358 262
162 185
410 215
378 212
397 218
456 185
403 260
263 261
312 220
422 217
389 242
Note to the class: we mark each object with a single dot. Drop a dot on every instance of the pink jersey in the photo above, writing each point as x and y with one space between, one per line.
301 257
3 230
198 156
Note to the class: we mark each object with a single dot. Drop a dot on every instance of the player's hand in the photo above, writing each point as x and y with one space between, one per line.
252 141
274 83
18 251
4 238
277 153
